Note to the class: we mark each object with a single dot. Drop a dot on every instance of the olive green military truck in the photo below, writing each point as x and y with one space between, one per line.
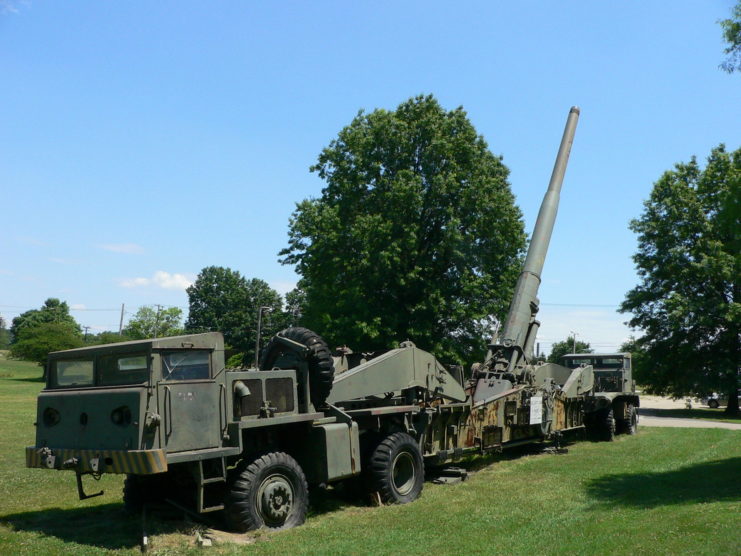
613 409
249 442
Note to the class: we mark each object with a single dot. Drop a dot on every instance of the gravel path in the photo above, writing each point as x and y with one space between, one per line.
649 403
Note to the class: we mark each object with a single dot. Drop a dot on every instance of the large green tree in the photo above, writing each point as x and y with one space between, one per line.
569 345
223 300
52 311
688 302
732 37
415 236
108 337
4 334
155 322
34 343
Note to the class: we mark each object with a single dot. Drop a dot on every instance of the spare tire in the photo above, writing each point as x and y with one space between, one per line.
319 359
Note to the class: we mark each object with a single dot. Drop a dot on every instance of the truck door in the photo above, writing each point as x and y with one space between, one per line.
190 401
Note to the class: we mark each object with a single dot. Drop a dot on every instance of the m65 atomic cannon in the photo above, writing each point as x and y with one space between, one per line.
248 442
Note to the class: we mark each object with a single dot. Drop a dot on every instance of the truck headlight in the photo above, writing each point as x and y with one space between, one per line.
121 416
51 417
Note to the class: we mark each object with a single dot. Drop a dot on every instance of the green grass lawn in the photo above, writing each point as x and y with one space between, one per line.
664 491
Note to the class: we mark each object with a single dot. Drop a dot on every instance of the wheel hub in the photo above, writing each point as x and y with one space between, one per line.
275 499
403 473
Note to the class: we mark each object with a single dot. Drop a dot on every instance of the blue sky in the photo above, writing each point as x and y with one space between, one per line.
143 141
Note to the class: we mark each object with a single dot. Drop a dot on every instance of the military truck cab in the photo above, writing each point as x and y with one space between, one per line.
613 409
167 413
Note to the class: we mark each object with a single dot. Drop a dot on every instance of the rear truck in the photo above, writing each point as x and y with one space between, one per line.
249 442
613 409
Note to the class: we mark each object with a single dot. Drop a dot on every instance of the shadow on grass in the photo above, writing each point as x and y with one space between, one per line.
106 526
712 414
713 481
29 379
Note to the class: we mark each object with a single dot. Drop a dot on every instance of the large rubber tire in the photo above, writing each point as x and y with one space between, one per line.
267 491
600 425
606 425
630 424
143 489
713 404
319 358
397 469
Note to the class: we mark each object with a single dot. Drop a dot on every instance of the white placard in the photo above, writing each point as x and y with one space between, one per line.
536 410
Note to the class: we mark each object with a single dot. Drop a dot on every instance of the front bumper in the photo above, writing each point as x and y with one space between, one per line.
140 462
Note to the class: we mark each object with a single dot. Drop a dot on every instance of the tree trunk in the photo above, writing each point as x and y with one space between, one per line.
732 407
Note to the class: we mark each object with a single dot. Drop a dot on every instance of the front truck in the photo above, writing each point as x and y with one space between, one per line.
613 409
249 442
167 413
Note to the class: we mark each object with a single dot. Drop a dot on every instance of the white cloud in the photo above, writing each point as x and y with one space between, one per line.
171 281
160 279
134 282
31 241
128 248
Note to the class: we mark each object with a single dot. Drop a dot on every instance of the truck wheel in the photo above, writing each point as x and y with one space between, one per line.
631 423
321 365
268 491
397 469
600 425
606 425
713 404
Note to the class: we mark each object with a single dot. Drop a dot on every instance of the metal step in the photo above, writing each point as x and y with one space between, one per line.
204 482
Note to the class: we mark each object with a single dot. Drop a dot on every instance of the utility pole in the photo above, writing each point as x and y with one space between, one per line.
86 329
574 336
120 322
157 319
259 330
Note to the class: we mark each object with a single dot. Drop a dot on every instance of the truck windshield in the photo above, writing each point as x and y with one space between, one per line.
78 372
608 381
122 369
186 365
103 370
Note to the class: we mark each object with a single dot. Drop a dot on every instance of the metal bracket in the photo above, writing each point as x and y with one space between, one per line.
292 344
80 491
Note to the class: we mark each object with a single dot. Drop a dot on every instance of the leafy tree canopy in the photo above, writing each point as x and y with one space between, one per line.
223 300
53 311
34 343
153 322
4 334
688 301
732 37
559 349
415 236
108 337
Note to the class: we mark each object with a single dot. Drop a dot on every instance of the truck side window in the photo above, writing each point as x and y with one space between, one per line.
186 365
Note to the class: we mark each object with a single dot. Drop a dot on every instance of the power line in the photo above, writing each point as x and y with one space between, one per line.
578 305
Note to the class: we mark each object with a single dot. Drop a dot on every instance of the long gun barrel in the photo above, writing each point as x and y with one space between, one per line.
513 347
